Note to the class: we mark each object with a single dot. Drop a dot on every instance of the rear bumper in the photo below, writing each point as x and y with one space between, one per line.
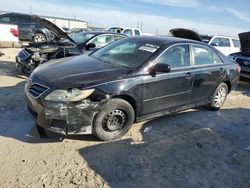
63 118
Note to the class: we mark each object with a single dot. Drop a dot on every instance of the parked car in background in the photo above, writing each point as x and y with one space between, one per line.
243 57
129 31
93 40
131 80
28 29
75 31
8 34
226 45
62 46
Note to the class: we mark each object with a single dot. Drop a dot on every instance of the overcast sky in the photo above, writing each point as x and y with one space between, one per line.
227 17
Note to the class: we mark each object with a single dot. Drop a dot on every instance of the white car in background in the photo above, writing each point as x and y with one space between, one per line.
9 33
226 45
129 31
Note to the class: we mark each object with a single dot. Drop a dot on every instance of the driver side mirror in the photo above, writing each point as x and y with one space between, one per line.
90 46
159 67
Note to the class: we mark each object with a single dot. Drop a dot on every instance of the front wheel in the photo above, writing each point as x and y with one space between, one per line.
114 120
219 96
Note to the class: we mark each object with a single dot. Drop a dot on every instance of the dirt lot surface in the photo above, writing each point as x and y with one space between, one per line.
194 148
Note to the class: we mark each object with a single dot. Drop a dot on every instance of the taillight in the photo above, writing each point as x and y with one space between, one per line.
14 32
238 69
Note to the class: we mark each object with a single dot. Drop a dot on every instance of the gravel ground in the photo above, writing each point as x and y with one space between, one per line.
194 148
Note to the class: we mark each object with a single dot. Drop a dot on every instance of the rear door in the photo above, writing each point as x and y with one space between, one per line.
25 25
208 71
168 90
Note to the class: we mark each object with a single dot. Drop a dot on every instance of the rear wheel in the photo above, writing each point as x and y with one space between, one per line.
39 37
219 96
114 120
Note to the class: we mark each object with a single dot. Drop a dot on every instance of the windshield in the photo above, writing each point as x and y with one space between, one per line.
82 37
129 53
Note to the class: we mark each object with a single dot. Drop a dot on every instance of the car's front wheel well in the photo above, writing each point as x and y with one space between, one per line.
228 85
129 99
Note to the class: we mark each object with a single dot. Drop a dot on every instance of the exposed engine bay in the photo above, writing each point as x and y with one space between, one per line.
35 54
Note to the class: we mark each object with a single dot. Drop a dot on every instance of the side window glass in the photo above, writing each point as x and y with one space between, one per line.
221 42
224 42
101 40
215 42
216 59
236 43
176 56
202 55
137 33
23 19
5 19
128 32
118 37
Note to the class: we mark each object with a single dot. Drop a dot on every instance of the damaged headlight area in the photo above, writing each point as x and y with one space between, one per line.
72 95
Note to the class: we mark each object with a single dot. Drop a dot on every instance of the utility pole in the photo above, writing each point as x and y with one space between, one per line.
30 9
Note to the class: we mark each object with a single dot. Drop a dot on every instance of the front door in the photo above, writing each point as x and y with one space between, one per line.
168 90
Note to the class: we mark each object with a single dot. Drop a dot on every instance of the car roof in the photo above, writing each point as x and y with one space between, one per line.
222 36
100 32
166 40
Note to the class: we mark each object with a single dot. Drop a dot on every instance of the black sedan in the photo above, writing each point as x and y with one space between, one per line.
130 80
243 57
62 46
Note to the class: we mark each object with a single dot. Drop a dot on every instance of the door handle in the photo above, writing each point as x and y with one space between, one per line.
189 75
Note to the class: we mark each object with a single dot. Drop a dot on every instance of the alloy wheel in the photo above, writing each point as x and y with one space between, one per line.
39 38
220 97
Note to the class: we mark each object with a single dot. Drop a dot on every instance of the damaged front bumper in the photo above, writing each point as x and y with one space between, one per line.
64 118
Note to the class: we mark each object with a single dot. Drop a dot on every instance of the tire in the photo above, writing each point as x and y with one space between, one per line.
219 97
39 37
114 120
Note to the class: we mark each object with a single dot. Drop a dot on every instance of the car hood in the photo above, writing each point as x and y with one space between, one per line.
51 27
245 42
77 71
185 33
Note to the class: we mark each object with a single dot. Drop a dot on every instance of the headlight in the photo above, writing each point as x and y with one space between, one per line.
73 95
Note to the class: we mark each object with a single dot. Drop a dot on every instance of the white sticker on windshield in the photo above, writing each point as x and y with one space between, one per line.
149 48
